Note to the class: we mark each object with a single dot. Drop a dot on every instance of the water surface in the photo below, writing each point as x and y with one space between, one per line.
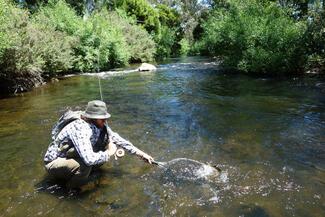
267 136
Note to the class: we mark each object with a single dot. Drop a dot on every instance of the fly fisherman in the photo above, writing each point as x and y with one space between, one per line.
82 141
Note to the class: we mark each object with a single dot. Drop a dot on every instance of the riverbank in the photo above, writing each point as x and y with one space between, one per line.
24 84
55 40
41 42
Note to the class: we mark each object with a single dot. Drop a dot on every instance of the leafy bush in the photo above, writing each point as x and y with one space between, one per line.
55 40
31 51
160 21
96 38
165 42
185 47
4 39
315 40
59 15
143 13
110 41
254 36
168 16
140 44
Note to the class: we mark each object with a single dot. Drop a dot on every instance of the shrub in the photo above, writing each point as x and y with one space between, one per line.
55 49
140 44
100 44
31 52
59 15
10 18
315 40
55 40
143 13
165 42
185 47
255 36
112 45
105 39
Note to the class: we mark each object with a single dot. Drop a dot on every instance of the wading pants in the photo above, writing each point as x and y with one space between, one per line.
74 171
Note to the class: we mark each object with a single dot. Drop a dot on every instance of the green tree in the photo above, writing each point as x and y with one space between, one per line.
165 42
315 39
255 36
168 16
144 13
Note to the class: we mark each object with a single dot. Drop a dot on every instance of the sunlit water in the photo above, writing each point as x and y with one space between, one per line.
266 135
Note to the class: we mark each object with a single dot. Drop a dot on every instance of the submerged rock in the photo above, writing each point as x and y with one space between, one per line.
147 67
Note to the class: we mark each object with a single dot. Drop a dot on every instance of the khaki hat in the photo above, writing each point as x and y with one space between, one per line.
96 109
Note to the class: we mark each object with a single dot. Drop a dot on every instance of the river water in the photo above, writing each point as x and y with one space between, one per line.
267 135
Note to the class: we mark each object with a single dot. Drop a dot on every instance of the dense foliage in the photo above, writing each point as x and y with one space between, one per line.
102 38
142 12
268 37
29 49
315 40
255 36
161 21
55 40
40 39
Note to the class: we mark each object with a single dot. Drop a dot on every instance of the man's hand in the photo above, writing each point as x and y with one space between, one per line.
111 149
145 157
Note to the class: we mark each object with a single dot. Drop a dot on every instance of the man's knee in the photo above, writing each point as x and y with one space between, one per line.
66 169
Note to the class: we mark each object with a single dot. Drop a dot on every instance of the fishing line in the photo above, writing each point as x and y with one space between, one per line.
99 84
100 89
119 152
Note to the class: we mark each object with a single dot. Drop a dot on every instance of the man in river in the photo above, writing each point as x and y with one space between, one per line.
83 144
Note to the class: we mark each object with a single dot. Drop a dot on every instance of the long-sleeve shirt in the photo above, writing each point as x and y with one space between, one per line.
83 136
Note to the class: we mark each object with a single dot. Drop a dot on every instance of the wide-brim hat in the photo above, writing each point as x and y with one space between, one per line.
96 109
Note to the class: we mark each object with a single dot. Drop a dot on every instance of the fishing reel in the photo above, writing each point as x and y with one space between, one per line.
119 153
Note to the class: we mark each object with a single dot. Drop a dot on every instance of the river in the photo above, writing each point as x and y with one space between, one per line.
266 134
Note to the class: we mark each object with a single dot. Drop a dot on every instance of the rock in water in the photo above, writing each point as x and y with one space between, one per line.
147 67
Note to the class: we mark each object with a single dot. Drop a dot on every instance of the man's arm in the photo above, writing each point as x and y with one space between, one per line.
127 145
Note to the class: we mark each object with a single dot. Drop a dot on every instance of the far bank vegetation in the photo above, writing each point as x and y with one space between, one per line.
44 39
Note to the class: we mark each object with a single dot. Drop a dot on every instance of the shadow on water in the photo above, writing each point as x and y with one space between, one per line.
252 210
97 179
57 192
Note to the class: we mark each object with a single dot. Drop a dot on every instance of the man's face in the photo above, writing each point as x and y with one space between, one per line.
100 123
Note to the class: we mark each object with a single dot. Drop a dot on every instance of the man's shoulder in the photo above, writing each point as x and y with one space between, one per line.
79 124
